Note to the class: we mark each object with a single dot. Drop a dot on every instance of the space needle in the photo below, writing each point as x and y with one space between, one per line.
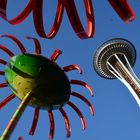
115 59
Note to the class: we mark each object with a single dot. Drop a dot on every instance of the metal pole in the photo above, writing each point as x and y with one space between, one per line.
13 122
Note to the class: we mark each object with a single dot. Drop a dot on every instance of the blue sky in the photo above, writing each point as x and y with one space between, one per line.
116 112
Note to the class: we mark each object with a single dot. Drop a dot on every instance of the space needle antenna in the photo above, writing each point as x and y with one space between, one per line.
115 59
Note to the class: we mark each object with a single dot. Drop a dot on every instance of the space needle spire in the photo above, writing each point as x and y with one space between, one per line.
115 59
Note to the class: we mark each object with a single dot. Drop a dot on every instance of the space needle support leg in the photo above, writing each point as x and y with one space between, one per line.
13 122
126 75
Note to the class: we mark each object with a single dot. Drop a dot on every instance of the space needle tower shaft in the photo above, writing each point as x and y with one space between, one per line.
126 75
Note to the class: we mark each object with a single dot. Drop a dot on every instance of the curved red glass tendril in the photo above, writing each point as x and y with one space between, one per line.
122 8
36 7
